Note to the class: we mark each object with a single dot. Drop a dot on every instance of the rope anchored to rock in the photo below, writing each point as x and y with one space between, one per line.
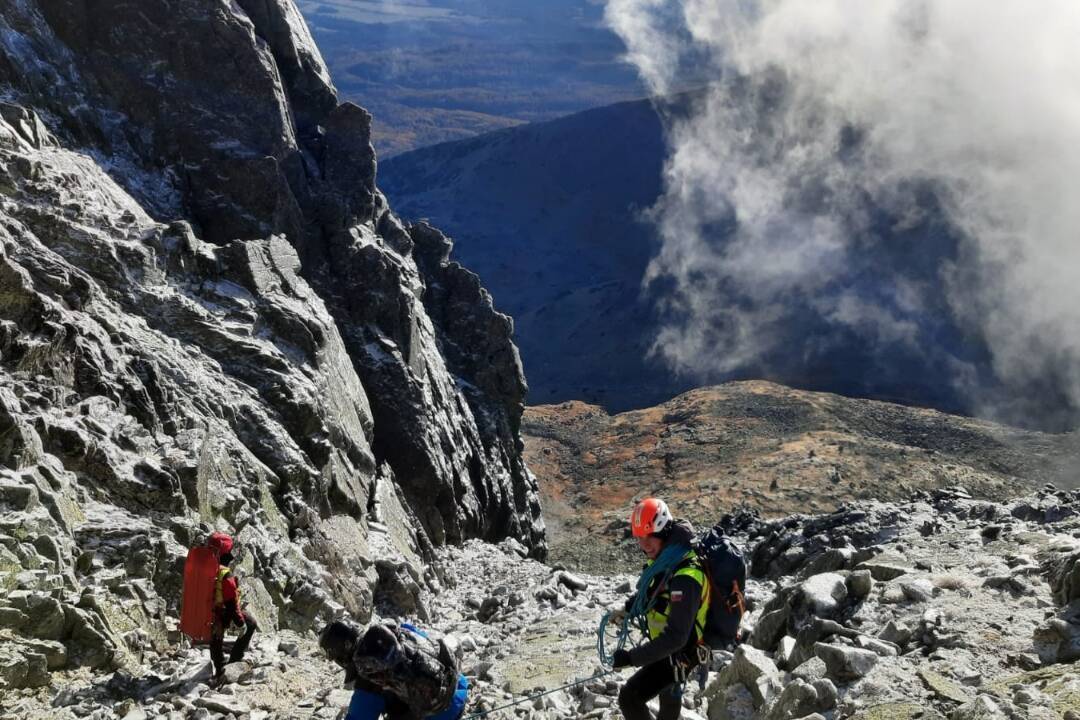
532 698
636 616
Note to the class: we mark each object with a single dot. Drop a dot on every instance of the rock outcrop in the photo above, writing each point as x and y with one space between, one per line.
209 319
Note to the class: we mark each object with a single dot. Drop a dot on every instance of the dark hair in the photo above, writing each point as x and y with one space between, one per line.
226 558
338 640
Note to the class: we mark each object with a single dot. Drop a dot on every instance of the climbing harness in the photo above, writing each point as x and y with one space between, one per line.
681 667
530 698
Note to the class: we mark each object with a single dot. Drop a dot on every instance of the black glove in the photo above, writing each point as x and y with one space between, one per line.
621 659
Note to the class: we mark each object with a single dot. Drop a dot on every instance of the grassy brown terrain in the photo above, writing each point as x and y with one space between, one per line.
768 447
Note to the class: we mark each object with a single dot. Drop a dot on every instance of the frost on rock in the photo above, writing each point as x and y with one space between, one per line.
520 627
209 319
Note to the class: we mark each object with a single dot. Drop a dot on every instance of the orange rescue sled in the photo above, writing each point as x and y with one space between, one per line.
197 605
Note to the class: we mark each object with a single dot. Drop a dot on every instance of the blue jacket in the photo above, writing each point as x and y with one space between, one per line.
370 706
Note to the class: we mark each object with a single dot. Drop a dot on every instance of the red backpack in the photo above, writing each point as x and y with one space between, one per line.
200 581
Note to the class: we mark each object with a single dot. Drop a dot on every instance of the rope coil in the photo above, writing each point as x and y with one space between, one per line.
637 616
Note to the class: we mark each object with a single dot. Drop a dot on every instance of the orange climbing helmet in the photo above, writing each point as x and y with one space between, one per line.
650 517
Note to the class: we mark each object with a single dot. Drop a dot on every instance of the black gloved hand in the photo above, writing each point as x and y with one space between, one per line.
621 659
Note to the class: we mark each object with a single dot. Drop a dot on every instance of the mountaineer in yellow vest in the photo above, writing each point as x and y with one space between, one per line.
227 609
676 620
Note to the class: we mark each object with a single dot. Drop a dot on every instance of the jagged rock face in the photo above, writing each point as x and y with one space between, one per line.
153 381
209 318
236 128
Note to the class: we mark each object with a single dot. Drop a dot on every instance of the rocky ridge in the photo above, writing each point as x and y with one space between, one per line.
942 606
769 448
210 319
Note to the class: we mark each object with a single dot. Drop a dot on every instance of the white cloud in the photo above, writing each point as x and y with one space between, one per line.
979 100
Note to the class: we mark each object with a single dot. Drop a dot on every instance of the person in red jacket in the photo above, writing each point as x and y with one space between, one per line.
227 609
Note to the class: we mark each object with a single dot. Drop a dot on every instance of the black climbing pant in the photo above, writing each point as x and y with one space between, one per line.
644 685
217 643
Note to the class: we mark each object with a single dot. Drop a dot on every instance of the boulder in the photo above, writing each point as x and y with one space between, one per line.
1058 639
233 672
771 627
21 667
55 653
896 633
860 583
882 570
89 642
754 670
222 703
12 618
800 698
830 560
844 663
571 581
46 618
399 586
1063 572
880 647
731 703
981 708
784 652
797 699
820 595
942 687
919 590
811 670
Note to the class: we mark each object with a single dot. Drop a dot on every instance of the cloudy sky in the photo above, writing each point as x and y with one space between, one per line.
869 103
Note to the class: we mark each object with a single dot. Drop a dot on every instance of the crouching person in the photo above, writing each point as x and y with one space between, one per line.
396 671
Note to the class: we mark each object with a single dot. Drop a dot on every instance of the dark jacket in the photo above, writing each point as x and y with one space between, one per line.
681 597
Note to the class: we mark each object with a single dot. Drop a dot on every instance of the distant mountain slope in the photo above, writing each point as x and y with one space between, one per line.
552 218
449 69
549 216
770 448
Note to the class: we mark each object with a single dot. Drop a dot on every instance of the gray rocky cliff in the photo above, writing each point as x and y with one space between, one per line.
209 318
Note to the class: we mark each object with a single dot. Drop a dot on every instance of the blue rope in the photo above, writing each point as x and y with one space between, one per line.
664 565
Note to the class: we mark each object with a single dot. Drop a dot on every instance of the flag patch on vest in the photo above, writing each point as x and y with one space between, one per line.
676 595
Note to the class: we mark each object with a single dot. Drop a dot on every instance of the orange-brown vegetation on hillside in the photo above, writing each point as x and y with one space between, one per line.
768 447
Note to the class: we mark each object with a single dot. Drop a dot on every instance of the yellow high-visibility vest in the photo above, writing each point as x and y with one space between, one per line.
690 566
219 595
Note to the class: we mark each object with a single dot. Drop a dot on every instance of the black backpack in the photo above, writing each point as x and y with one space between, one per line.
405 662
725 569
